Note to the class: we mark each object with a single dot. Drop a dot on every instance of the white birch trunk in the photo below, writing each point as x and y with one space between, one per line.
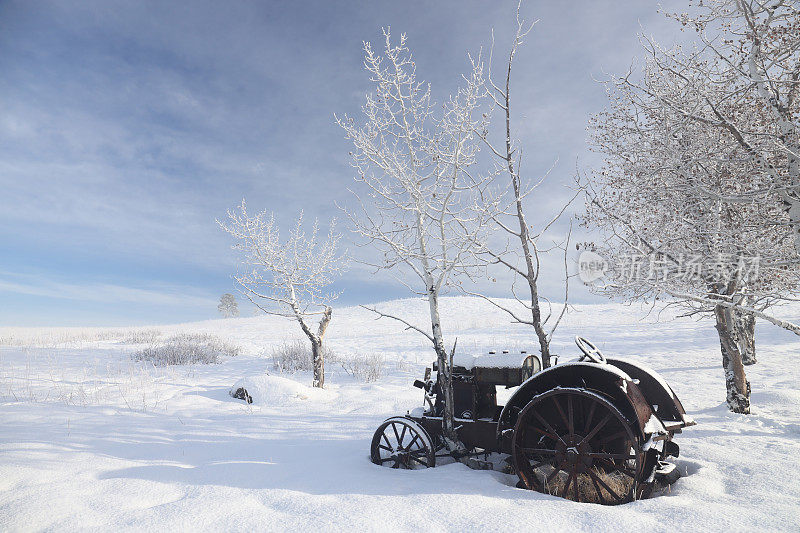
736 384
745 324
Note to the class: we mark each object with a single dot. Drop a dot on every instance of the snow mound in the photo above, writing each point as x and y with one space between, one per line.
267 390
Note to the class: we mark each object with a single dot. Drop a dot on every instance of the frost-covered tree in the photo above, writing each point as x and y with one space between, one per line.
741 76
289 277
747 57
228 306
670 199
704 161
522 253
420 201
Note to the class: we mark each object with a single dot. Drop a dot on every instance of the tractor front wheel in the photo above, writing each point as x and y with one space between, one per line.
402 443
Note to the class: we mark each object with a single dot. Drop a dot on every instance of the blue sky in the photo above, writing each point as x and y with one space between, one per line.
126 128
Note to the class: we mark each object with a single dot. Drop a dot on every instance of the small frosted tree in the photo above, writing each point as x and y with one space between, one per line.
290 277
228 306
420 203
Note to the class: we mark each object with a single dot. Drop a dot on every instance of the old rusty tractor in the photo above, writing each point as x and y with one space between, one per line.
594 430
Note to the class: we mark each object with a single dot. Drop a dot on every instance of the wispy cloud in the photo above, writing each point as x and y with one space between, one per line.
160 295
127 128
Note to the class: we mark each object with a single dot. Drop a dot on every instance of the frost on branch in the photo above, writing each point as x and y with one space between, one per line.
741 79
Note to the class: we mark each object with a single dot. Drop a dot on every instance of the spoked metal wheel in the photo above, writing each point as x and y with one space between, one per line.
575 444
402 443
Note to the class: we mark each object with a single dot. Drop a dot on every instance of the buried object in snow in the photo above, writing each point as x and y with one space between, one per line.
595 430
240 393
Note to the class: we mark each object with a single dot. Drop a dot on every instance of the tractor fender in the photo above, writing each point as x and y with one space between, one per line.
608 380
659 394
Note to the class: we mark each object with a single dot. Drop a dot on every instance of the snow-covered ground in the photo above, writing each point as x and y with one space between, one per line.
90 440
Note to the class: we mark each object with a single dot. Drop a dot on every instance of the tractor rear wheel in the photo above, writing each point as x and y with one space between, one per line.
576 444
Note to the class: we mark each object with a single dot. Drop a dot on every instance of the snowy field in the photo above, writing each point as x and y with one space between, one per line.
91 440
